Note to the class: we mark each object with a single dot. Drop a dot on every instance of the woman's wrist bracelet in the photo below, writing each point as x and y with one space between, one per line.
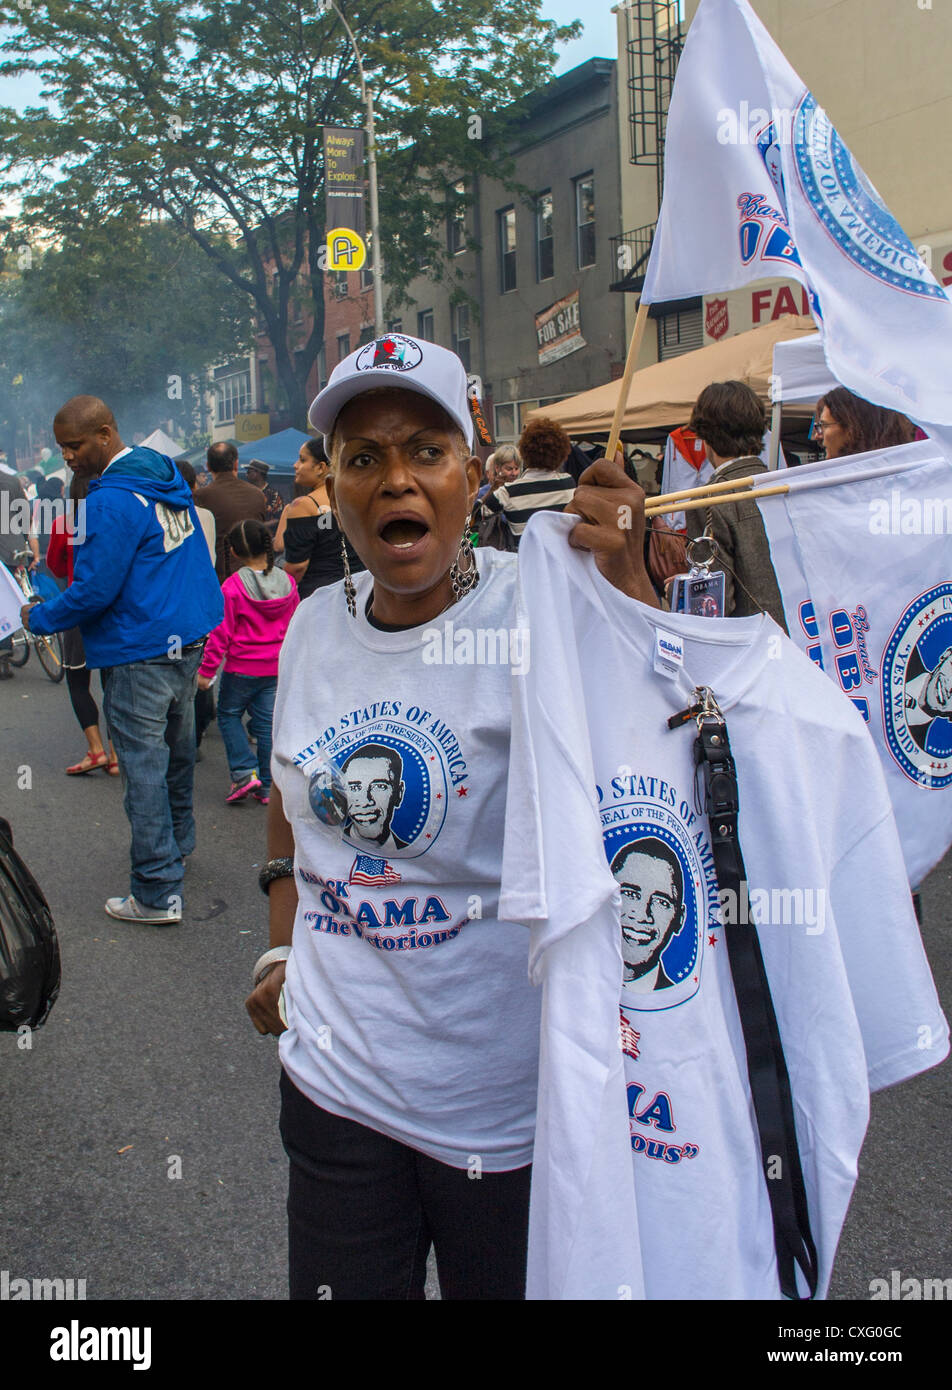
275 868
266 963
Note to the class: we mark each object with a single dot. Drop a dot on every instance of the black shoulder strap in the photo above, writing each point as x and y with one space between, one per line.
766 1064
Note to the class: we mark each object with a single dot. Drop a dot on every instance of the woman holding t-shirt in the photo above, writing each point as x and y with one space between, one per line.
410 1053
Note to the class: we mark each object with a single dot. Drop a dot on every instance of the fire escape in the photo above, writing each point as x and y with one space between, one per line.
654 45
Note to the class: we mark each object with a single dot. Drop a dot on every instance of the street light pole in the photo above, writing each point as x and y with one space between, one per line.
367 98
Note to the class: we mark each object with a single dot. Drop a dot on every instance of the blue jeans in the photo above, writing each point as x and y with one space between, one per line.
256 695
150 710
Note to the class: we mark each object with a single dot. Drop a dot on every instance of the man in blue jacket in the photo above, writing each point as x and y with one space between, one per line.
145 596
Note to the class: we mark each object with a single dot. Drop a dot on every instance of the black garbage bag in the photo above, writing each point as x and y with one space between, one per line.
29 950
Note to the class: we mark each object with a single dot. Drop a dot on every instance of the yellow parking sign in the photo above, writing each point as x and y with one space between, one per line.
345 250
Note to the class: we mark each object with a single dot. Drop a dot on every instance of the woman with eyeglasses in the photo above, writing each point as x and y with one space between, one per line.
848 424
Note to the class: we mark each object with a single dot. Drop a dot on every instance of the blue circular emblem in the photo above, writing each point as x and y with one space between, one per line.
849 207
663 911
394 784
917 689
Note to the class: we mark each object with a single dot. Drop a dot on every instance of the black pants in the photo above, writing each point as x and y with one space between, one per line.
84 706
204 713
364 1209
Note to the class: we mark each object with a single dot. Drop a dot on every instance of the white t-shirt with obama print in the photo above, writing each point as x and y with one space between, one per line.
408 1003
647 1176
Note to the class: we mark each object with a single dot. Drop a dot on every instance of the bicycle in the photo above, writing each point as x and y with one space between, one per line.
49 650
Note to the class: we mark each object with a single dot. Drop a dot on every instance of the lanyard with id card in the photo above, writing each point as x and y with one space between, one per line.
701 591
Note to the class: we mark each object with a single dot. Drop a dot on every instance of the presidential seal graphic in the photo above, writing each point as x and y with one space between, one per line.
658 851
847 204
383 776
917 689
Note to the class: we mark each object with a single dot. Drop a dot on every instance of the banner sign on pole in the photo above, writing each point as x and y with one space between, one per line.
344 180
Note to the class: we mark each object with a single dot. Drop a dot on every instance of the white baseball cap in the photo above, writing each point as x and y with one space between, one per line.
396 360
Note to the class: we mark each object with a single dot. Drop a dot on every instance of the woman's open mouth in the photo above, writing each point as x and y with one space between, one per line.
404 533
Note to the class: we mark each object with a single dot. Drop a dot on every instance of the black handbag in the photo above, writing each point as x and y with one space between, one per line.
493 530
30 969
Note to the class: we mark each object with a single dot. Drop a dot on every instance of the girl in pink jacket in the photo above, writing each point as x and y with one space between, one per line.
259 603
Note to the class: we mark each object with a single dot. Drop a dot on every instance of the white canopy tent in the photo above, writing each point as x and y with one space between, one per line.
800 369
162 444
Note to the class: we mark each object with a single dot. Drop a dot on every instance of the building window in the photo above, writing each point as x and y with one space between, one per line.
395 326
456 219
233 396
511 416
322 368
343 346
545 265
461 333
585 220
339 287
425 325
506 220
506 421
366 334
367 269
680 331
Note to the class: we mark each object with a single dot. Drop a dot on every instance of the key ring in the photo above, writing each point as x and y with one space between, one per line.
701 567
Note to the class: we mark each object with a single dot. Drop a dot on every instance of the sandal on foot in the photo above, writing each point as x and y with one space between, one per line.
90 763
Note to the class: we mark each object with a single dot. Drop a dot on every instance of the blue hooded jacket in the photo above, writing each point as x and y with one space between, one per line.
143 584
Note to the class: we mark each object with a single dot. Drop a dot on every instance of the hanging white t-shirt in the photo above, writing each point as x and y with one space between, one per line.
609 862
408 1003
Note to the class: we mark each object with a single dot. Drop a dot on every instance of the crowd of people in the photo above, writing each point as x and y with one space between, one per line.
310 618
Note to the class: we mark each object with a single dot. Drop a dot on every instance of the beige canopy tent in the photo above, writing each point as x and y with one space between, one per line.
662 395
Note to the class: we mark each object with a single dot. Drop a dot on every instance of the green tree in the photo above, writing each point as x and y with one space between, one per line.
12 416
211 113
126 308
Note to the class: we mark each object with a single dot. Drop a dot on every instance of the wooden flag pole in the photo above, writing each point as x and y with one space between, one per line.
718 501
702 490
634 348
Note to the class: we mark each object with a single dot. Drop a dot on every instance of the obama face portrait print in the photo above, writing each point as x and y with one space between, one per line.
653 910
373 782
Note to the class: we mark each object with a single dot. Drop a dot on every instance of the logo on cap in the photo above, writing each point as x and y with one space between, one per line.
394 352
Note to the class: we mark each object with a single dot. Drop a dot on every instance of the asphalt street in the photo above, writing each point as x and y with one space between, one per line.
149 1057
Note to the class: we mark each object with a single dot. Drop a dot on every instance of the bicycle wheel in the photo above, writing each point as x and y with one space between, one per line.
20 649
50 651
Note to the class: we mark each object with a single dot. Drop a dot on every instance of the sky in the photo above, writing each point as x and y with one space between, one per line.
597 41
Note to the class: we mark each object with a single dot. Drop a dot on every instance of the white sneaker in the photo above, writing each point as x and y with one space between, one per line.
129 910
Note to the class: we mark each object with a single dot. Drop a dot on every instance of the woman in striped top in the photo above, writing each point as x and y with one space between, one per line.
543 485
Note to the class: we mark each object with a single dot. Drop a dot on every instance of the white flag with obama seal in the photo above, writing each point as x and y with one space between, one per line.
781 195
862 549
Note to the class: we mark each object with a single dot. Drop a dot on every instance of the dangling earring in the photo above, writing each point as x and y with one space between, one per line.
464 572
350 593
